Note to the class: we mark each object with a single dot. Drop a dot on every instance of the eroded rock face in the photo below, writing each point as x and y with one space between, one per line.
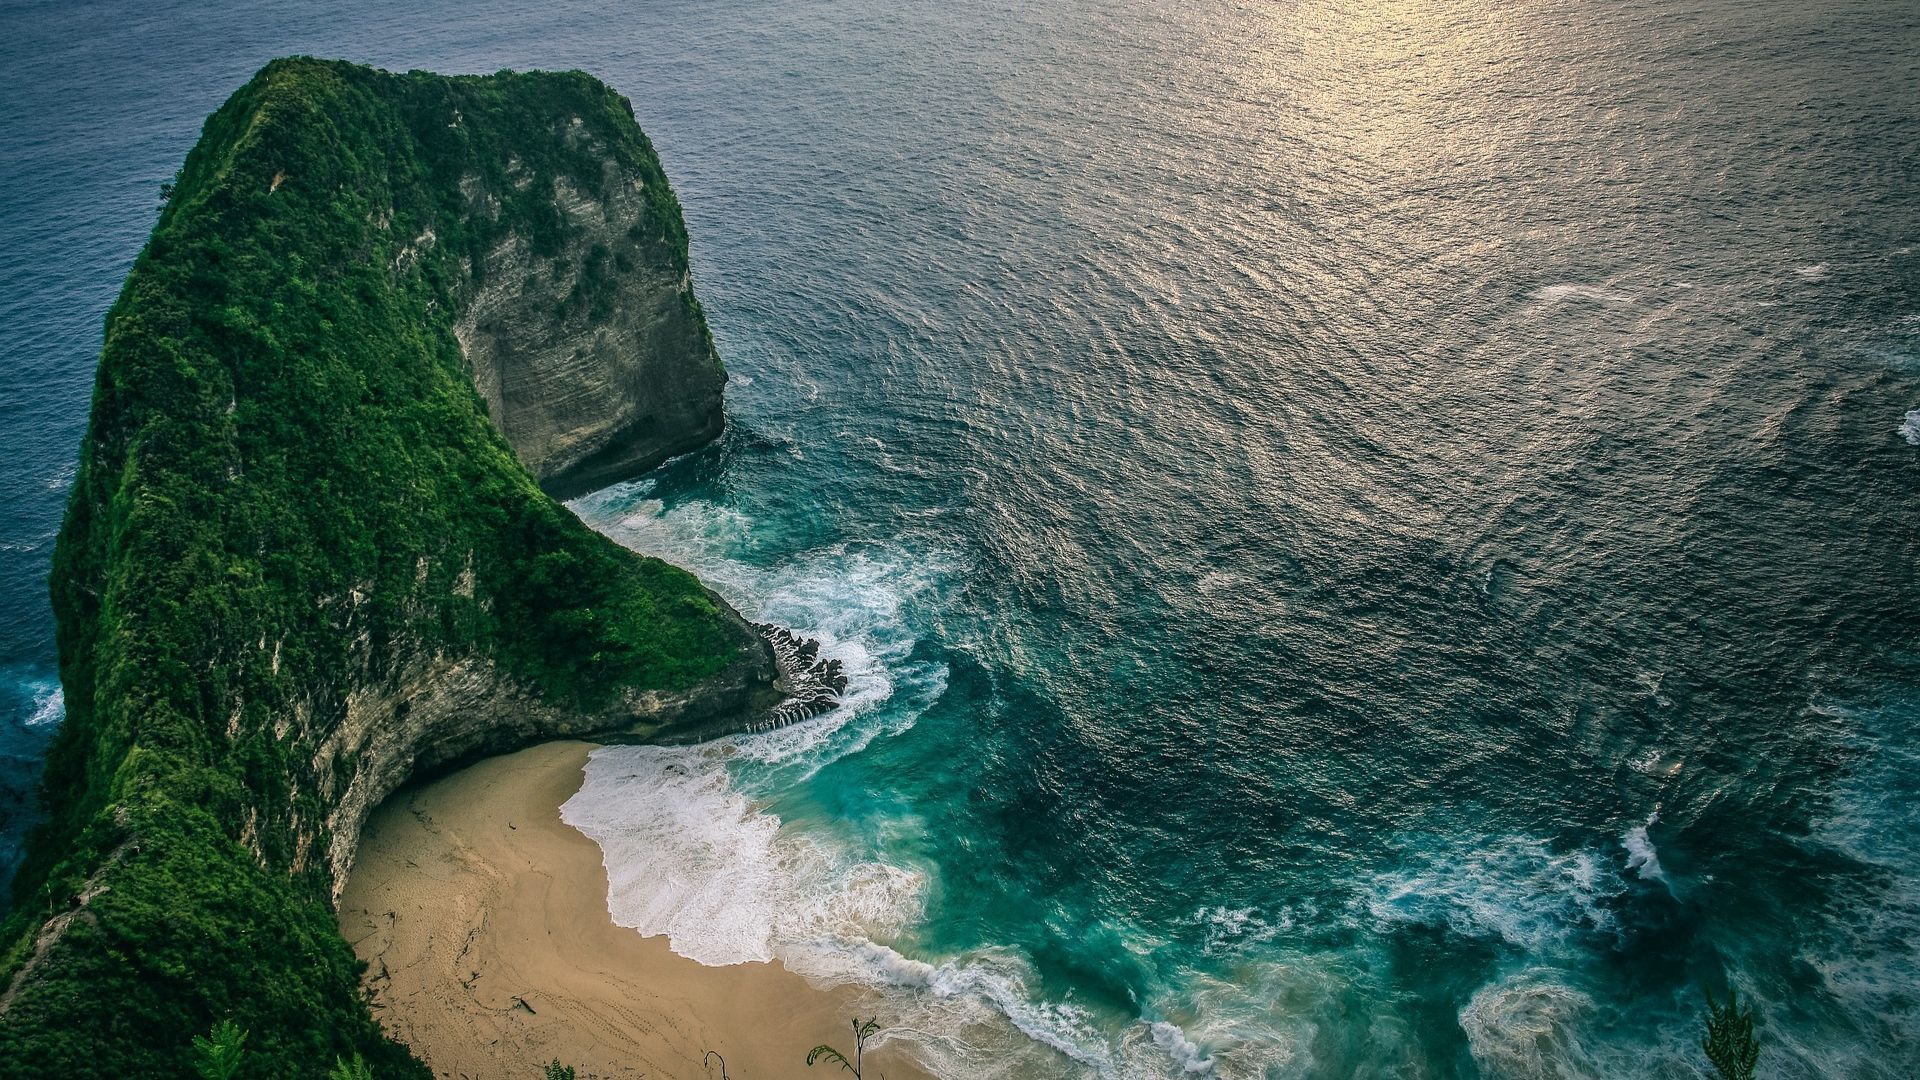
438 712
594 360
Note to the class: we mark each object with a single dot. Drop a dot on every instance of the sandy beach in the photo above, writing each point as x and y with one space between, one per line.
483 921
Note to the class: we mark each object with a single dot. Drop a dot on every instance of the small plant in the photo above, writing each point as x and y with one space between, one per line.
217 1057
357 1069
1730 1043
557 1071
862 1031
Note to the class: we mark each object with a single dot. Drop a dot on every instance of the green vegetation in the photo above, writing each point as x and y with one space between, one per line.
557 1071
357 1069
290 490
862 1031
1731 1046
217 1056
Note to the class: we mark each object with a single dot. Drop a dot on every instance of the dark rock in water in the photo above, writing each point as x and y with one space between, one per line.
808 684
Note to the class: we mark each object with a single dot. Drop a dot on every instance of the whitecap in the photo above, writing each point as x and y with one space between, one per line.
959 994
689 857
49 704
1642 858
1512 889
1184 1051
1909 428
1232 929
1868 965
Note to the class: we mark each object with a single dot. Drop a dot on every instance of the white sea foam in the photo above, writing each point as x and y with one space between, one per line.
1909 428
49 704
1523 1027
62 478
961 994
697 850
1869 965
1651 682
854 598
1642 858
694 855
1813 272
689 857
1555 294
1512 889
1236 928
1184 1051
978 1017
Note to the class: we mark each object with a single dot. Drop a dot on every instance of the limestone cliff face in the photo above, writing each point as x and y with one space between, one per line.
594 359
432 712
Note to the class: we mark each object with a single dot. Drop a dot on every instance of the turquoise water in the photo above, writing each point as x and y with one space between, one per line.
1371 539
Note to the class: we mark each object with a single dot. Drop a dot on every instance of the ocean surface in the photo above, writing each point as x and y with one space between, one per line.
1372 539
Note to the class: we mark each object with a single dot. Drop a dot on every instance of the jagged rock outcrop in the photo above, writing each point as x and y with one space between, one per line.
809 683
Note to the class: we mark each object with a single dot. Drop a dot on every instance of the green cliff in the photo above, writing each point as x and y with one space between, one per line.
303 562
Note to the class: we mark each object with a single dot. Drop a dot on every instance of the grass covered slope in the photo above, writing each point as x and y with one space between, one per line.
290 493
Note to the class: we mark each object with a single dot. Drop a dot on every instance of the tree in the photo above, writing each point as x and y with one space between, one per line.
862 1031
357 1069
557 1071
1730 1043
218 1057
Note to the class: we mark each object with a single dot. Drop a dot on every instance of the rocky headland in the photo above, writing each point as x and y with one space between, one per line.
313 550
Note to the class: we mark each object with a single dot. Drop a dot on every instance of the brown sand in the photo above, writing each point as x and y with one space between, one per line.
483 920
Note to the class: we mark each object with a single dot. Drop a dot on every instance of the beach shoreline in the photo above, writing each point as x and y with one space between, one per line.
490 951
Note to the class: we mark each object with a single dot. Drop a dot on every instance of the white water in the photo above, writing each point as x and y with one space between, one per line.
1642 858
707 846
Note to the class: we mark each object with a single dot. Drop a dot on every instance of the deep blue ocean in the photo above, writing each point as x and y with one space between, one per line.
1372 539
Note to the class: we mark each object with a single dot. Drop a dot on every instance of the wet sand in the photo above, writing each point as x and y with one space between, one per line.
483 920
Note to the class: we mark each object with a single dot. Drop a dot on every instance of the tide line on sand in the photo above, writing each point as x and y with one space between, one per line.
483 921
